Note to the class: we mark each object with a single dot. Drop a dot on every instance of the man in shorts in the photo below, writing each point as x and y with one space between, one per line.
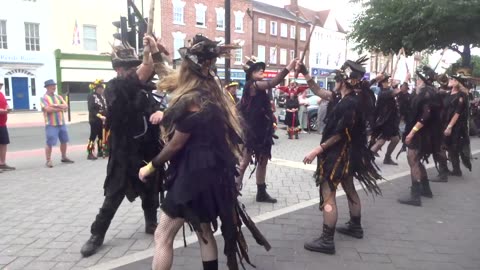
53 107
4 139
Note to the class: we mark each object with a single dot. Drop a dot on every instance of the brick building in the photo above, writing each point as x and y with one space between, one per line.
182 19
274 36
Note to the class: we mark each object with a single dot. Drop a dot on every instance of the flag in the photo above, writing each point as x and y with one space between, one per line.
76 35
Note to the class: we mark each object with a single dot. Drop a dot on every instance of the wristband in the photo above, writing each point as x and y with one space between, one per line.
415 129
150 168
157 57
449 126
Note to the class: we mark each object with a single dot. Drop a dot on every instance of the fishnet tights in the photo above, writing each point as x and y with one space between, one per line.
417 170
260 171
165 235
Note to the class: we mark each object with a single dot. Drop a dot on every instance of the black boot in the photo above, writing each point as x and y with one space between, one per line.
99 229
456 166
263 196
442 177
150 221
90 150
389 161
352 228
426 191
324 243
296 135
414 197
92 245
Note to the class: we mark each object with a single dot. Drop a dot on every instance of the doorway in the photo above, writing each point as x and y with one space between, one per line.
20 93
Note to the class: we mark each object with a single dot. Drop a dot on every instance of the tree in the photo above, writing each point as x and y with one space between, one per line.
475 66
417 25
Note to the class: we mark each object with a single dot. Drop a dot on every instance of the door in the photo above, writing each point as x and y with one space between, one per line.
20 93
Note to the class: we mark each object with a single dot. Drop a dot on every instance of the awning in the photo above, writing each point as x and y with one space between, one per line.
86 75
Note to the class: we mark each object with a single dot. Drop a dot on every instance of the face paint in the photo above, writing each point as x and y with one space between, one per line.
328 208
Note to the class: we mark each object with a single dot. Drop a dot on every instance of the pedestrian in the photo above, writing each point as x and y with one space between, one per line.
341 155
403 105
4 138
133 117
321 114
54 108
203 130
291 115
303 112
231 91
423 137
97 110
256 109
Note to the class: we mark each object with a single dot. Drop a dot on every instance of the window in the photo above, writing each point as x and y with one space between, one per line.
238 56
32 86
284 30
273 28
303 34
6 86
239 21
220 18
318 56
3 35
200 11
261 25
178 12
292 31
292 55
220 60
32 37
178 42
90 37
273 55
261 53
283 56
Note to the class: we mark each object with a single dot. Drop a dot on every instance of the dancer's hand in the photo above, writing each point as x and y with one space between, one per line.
292 64
409 138
149 44
312 155
156 117
145 171
447 132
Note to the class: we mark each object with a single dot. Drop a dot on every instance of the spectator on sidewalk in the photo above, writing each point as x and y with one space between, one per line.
53 107
303 112
4 139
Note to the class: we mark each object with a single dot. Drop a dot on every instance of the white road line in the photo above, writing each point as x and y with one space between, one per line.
262 217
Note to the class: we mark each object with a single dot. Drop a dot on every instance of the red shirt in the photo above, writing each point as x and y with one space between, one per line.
3 105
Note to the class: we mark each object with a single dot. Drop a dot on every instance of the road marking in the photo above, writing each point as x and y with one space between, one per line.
138 256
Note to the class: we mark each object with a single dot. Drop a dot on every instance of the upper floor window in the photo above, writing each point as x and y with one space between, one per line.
284 30
261 25
283 56
238 56
292 55
273 28
90 37
3 35
292 31
220 18
178 42
273 55
200 11
261 53
303 34
178 14
32 36
239 20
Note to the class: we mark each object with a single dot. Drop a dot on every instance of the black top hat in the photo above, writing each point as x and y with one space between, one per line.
426 74
252 65
351 70
124 56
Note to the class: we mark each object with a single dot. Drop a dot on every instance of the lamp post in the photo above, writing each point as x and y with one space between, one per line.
227 38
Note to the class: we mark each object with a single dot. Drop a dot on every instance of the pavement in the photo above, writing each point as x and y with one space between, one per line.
47 213
35 118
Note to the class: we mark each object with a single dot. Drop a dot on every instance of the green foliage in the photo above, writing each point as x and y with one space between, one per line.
417 25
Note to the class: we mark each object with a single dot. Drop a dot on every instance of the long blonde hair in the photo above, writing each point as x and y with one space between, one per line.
184 84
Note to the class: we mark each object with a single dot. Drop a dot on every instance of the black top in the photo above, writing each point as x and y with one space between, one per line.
96 105
386 115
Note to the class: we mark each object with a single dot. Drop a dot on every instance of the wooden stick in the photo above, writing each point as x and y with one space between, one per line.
307 45
146 57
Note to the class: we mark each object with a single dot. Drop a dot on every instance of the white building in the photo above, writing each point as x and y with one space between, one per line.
65 40
26 59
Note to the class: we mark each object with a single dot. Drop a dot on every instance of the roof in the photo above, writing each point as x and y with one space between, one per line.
312 15
340 28
275 11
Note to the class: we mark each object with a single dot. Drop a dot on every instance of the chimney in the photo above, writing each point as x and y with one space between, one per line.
294 3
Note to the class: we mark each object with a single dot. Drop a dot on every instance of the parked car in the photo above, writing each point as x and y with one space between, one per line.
312 110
